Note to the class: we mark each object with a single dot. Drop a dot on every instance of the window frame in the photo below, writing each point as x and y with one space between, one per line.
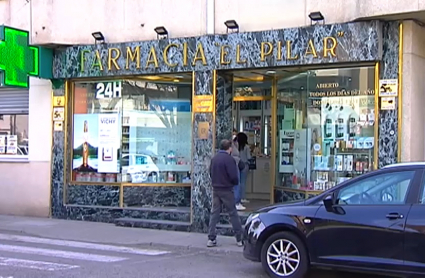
421 190
120 182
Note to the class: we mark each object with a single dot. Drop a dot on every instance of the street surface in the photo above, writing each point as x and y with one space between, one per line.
84 249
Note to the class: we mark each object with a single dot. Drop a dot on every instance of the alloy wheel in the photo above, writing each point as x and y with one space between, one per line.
283 257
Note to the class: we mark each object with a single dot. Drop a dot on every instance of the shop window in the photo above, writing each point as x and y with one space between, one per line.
14 135
326 121
133 131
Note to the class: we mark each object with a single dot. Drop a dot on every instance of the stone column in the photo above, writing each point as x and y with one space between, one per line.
388 141
223 118
202 152
58 158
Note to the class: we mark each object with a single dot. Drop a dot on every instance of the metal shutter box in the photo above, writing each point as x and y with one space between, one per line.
14 101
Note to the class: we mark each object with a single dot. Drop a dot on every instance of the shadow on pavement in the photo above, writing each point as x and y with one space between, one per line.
335 274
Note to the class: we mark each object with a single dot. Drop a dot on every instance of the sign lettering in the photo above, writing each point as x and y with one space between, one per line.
108 90
277 50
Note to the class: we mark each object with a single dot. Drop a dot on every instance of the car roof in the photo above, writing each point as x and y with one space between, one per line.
406 164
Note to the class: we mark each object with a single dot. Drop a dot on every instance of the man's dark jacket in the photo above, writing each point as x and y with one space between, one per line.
223 171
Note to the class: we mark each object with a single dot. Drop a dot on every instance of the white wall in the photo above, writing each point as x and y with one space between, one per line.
26 185
413 93
72 22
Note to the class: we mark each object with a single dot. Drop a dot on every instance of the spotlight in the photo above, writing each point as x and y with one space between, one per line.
161 32
98 37
316 17
232 25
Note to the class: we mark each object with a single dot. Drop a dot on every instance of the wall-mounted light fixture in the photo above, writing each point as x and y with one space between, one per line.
161 32
98 37
232 25
316 17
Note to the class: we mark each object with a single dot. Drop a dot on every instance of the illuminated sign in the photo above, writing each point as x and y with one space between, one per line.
18 59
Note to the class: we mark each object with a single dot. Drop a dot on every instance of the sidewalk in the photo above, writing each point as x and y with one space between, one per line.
108 233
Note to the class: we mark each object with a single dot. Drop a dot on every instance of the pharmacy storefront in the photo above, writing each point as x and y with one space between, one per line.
136 124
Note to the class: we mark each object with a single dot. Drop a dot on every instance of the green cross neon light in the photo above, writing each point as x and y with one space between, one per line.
18 59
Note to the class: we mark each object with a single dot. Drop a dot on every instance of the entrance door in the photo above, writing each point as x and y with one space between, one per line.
252 116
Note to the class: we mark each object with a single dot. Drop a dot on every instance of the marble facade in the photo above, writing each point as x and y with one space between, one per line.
360 42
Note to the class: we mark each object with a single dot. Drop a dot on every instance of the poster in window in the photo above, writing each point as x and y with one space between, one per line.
109 141
11 144
85 146
2 144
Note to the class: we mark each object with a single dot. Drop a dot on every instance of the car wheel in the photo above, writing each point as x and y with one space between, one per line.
284 255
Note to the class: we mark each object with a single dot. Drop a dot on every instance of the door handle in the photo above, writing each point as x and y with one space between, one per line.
394 215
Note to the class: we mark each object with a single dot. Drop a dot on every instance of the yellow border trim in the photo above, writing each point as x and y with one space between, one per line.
51 153
253 98
274 150
214 128
400 92
71 126
193 145
65 144
156 184
125 184
376 126
83 183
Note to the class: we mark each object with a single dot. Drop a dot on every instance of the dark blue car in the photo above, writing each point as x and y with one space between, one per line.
374 223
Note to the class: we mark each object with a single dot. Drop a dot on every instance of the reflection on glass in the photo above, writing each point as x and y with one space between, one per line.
325 127
139 134
14 134
156 145
252 87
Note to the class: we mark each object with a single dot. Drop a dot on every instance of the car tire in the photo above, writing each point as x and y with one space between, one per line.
284 255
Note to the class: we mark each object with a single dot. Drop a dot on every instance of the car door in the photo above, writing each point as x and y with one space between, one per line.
414 244
365 227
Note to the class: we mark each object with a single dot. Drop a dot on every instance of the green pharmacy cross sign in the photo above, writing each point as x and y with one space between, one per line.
19 59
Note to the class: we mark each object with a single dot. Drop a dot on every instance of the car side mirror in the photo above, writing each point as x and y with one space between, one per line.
329 202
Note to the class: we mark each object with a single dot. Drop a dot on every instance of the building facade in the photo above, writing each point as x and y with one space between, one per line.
213 74
124 154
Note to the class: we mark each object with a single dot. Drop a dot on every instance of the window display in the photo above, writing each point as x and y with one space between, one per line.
134 132
96 132
326 132
13 135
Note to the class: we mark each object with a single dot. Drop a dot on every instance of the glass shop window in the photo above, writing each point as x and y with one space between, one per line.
139 131
326 123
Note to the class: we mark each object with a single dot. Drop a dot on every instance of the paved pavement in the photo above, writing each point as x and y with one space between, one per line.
36 248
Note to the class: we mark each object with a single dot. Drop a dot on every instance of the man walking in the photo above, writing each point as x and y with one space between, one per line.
224 176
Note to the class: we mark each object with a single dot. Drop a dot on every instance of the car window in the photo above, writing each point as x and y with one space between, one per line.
389 188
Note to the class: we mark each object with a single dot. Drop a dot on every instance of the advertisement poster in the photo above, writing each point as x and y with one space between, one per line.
85 154
2 144
344 118
11 144
109 142
388 87
388 103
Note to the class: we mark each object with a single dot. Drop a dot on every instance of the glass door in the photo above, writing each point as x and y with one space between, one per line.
252 116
